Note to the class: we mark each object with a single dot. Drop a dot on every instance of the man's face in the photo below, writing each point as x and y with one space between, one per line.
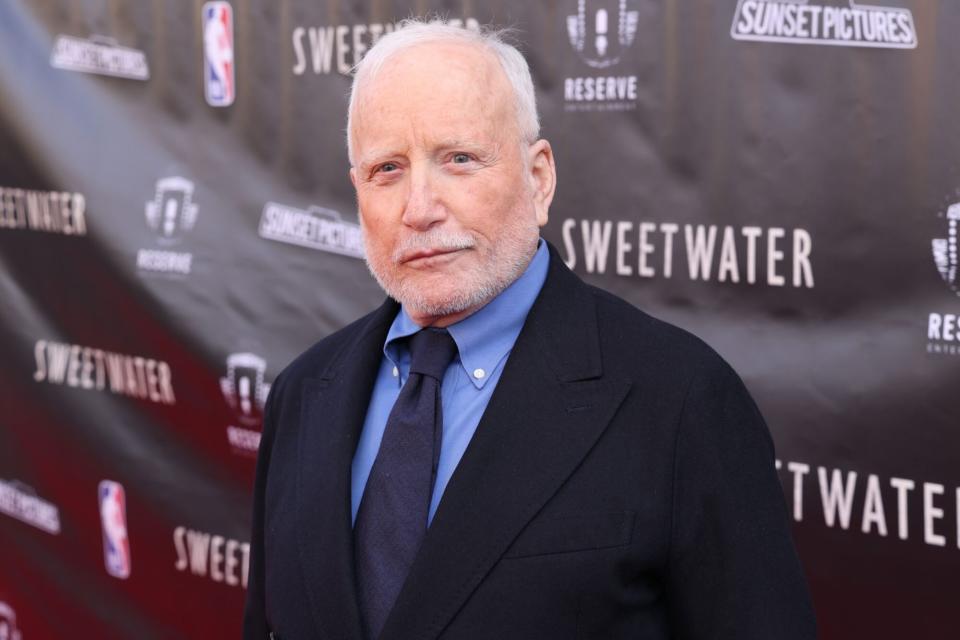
450 200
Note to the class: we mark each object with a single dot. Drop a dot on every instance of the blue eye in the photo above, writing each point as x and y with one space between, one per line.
387 167
461 158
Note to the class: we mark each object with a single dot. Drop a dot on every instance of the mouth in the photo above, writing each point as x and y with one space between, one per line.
428 257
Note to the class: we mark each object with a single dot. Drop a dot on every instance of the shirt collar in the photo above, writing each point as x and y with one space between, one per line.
486 336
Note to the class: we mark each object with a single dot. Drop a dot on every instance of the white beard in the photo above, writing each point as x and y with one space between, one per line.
509 256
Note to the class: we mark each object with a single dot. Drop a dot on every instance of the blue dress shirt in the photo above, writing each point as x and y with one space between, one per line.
484 340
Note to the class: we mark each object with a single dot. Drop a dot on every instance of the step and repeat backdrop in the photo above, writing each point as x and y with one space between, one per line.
781 177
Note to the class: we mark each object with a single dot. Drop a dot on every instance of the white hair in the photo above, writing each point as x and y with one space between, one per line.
412 32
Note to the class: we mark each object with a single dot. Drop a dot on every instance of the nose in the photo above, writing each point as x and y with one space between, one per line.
424 207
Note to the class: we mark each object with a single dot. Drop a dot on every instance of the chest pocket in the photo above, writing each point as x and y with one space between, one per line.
566 534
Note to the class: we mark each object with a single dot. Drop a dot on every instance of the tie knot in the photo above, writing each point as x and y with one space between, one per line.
430 352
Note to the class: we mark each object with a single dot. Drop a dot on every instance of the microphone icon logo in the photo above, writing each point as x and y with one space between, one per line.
601 30
945 250
610 27
172 209
244 387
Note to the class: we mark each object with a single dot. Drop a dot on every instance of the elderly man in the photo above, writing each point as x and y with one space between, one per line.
499 450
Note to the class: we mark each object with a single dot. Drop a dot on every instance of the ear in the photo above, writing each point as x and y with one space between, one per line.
543 178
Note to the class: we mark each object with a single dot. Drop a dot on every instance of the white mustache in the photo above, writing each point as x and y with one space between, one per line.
436 240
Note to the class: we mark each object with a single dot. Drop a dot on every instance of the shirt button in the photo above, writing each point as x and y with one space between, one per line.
396 372
479 374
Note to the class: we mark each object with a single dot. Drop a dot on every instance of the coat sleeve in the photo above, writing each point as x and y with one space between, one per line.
732 573
255 626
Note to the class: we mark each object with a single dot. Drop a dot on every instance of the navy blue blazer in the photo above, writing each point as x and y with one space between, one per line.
620 484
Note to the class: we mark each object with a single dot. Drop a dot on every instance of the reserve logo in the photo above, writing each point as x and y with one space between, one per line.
945 250
601 32
170 214
171 211
592 34
943 327
245 391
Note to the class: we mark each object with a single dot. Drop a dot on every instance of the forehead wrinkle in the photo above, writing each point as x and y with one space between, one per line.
451 143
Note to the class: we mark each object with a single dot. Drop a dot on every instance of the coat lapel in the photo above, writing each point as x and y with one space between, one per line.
332 412
549 408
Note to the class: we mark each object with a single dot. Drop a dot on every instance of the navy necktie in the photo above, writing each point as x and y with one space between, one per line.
392 517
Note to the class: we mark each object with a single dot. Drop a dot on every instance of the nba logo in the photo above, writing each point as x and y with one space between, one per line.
113 517
218 76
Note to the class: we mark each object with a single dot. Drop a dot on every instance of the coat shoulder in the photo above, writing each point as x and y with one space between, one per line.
632 339
320 358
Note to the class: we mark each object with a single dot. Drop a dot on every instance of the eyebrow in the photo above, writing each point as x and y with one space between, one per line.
377 155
